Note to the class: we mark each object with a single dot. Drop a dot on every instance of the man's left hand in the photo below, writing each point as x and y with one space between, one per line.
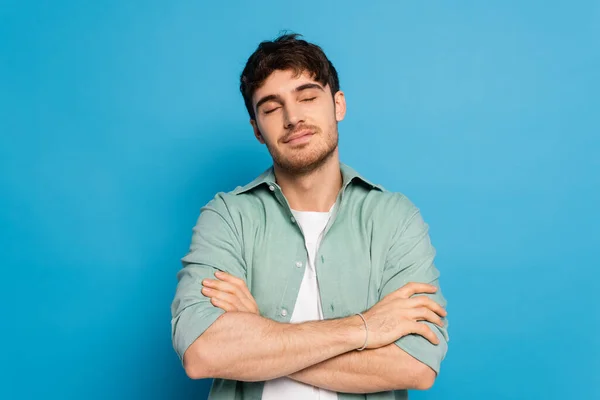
229 293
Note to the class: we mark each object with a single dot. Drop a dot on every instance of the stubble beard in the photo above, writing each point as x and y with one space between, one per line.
302 160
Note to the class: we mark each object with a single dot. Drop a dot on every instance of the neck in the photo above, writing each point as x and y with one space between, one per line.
315 190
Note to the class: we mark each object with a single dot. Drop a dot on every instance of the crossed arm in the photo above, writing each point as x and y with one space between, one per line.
376 370
316 353
245 346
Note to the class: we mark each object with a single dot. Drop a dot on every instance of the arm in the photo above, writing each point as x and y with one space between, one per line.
411 259
246 347
369 371
386 367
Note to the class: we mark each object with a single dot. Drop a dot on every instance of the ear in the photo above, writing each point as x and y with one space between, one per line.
340 105
257 133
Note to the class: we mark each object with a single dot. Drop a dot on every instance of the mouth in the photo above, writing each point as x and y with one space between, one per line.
300 137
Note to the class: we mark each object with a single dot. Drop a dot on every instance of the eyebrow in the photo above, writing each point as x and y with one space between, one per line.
274 97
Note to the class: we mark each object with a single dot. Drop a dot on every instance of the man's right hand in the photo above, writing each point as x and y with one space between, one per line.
397 315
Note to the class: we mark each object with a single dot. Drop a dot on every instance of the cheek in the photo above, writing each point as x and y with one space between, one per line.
325 112
268 129
325 117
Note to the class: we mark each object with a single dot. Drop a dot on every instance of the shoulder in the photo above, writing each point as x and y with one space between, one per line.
231 204
388 206
240 206
376 198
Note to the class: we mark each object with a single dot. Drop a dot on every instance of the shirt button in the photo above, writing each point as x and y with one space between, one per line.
293 220
298 264
283 312
271 188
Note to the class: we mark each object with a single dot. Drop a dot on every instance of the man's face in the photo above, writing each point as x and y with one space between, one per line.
296 117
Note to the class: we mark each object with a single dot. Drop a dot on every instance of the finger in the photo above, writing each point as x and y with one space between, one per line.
422 329
223 305
229 287
233 303
226 297
220 285
240 283
224 276
425 314
412 288
424 301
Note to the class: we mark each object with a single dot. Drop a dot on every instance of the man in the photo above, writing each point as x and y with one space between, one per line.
309 282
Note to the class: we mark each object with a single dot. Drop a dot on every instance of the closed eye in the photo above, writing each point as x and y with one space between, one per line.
271 110
309 99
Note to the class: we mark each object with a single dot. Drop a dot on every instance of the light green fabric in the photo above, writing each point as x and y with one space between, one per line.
375 243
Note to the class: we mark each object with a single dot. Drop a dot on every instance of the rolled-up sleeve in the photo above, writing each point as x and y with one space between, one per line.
215 245
411 259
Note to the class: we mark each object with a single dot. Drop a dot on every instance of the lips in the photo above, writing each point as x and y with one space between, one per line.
298 135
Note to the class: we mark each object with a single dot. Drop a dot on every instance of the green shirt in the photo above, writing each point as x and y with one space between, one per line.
375 243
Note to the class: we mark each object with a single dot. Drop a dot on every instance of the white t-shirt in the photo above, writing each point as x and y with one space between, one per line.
307 308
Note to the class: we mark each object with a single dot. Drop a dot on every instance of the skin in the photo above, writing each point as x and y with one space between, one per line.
380 367
307 171
243 345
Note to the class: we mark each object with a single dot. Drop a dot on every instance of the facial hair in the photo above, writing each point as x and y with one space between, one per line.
307 158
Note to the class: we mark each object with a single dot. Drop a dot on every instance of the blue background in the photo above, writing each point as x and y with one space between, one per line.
119 120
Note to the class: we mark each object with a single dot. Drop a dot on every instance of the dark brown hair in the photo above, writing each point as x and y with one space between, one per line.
287 52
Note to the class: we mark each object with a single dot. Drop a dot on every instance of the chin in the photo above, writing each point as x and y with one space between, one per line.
303 164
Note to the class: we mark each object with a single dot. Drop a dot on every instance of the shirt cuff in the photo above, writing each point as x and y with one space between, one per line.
190 324
423 350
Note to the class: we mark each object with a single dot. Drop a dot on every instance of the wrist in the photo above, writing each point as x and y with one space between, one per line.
355 328
366 342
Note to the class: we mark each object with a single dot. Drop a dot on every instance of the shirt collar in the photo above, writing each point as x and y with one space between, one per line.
349 175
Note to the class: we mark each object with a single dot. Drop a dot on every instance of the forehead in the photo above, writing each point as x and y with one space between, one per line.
281 82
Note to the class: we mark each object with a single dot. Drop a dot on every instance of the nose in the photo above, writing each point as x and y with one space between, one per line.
292 115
